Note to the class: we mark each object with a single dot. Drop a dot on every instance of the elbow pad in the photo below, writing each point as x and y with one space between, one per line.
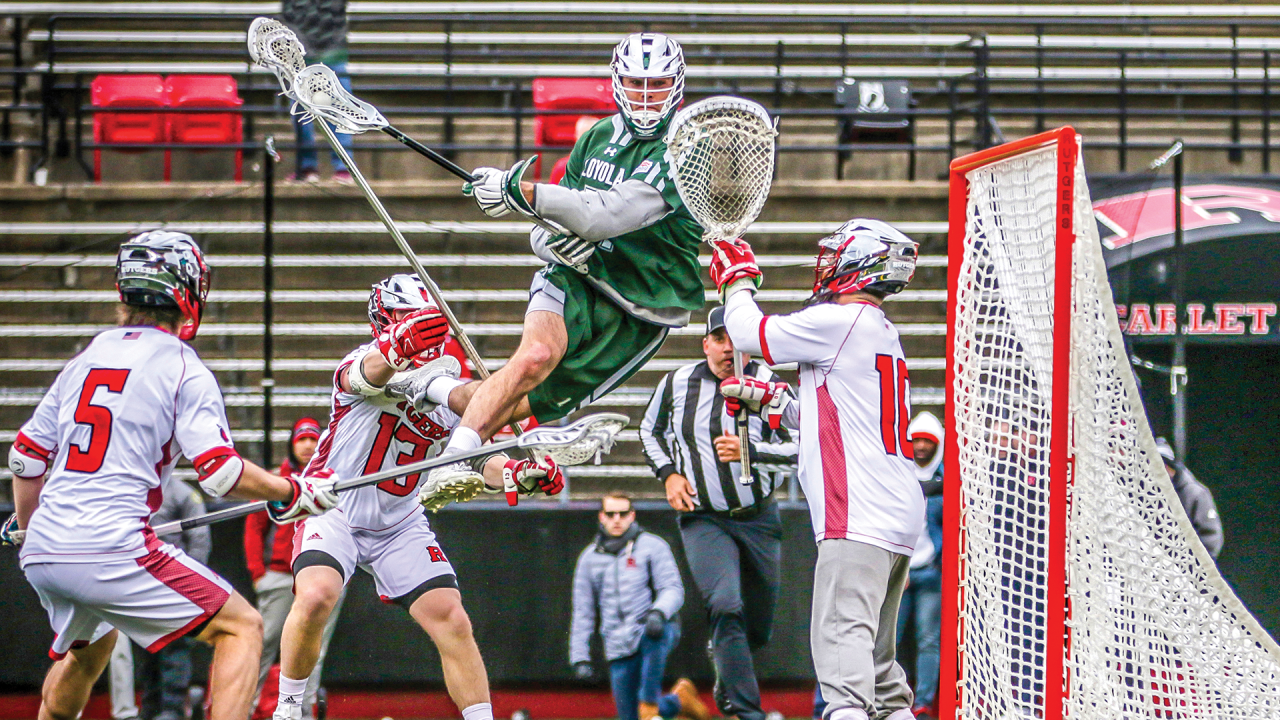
360 384
26 459
219 471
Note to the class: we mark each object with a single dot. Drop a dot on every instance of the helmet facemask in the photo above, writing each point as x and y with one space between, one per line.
647 59
398 292
863 255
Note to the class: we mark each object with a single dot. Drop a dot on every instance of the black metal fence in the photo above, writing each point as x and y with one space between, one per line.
966 87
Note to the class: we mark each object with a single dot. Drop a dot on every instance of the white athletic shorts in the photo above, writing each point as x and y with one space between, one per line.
405 559
154 599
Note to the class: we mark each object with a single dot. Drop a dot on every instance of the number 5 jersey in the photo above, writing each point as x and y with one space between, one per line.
112 427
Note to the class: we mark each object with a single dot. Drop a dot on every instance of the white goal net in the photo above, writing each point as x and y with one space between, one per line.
1145 625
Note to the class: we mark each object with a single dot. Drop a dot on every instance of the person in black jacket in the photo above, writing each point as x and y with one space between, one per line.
1196 499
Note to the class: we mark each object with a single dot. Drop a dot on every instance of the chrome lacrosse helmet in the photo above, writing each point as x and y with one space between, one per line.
863 255
163 268
398 292
647 56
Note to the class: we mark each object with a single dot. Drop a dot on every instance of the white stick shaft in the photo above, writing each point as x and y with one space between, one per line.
467 347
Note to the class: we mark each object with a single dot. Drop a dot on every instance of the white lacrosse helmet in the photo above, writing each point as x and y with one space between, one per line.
647 56
398 292
863 255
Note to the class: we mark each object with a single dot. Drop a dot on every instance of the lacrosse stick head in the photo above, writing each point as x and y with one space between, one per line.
576 443
720 151
276 48
319 94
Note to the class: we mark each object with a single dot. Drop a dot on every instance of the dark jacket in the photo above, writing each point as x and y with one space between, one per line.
322 27
1197 500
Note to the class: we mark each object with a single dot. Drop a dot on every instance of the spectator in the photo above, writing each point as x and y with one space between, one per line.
166 675
628 579
268 551
922 599
1196 499
732 532
322 27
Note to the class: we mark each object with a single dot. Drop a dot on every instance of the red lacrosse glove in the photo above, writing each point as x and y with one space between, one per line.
755 395
529 476
733 262
421 331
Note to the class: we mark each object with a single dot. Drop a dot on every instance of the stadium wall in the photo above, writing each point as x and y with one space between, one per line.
515 569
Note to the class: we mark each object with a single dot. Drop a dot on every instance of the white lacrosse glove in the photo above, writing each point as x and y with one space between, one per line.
769 399
412 385
312 495
10 533
487 191
562 248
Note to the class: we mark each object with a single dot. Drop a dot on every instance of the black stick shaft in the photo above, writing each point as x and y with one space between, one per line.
435 157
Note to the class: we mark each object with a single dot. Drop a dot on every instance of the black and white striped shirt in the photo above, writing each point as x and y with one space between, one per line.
683 419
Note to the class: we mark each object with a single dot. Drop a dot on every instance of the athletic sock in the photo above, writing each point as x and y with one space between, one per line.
479 711
292 691
464 439
439 389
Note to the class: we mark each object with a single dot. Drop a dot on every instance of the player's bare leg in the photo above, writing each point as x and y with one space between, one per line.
317 590
236 635
67 686
441 614
494 402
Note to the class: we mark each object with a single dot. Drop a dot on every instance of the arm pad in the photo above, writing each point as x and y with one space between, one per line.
598 215
27 460
360 384
219 471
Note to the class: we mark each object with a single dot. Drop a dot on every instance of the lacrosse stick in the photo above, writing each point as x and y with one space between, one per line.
721 155
572 444
318 91
277 48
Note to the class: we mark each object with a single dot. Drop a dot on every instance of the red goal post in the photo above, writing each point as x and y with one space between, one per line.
1073 583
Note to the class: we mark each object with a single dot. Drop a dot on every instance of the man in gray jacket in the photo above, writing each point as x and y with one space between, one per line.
1196 499
166 675
628 579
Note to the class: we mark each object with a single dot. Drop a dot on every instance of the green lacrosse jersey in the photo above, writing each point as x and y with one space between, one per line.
656 266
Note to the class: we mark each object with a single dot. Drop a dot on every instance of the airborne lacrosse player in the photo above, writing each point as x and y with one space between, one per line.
625 272
380 527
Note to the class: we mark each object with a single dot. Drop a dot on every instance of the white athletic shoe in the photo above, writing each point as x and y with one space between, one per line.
287 711
451 483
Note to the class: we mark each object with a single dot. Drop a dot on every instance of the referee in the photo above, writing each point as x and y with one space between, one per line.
732 533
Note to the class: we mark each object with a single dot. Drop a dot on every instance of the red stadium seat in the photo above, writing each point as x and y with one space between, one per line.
558 170
205 91
113 128
594 96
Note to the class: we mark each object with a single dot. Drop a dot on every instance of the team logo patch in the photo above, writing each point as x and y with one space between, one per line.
644 166
223 433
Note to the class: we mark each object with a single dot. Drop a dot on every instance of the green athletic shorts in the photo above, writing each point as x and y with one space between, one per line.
606 345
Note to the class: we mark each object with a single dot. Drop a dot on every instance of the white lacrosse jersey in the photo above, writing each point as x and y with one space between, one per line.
366 435
856 463
115 421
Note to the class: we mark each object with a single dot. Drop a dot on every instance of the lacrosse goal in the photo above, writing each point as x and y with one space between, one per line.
1073 583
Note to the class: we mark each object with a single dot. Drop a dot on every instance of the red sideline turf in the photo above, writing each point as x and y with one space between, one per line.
360 704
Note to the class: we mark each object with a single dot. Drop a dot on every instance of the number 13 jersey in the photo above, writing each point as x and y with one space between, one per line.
368 434
112 425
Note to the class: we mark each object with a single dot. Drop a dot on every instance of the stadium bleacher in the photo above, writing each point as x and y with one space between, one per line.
458 76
